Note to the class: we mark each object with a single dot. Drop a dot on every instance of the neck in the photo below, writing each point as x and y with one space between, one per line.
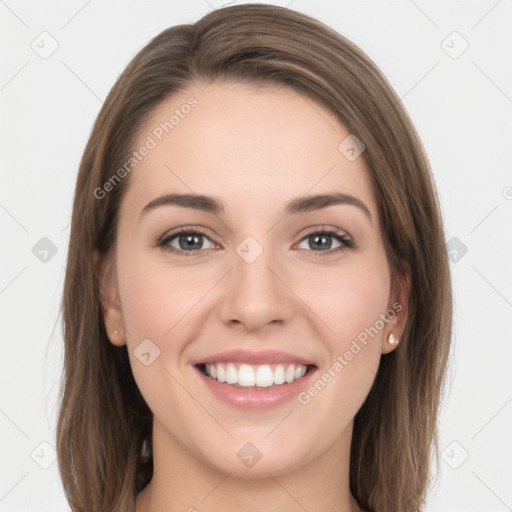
181 482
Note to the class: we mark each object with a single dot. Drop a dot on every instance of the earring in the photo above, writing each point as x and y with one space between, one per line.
116 332
392 339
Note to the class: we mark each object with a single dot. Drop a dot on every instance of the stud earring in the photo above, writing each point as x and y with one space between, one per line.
392 339
116 332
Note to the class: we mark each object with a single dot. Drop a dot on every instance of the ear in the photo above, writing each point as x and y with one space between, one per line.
109 298
398 308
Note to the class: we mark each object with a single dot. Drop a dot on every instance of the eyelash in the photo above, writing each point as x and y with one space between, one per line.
342 237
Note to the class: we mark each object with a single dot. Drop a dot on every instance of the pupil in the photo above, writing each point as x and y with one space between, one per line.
189 243
316 238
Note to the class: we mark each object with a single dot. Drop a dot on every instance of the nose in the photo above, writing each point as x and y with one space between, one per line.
256 294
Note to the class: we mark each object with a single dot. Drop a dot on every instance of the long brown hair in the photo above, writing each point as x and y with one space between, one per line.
104 425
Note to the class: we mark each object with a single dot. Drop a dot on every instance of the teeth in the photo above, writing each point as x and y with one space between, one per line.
246 376
300 371
262 376
289 375
231 375
279 375
221 373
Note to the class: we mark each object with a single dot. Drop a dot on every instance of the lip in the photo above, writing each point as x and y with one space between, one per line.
252 399
255 358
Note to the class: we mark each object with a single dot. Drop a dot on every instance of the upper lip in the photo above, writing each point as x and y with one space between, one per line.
260 357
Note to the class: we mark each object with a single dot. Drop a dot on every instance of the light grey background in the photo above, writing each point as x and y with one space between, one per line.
461 106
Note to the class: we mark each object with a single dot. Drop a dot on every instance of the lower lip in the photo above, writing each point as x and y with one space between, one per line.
256 399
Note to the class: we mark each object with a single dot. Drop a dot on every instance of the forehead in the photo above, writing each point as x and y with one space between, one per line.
249 146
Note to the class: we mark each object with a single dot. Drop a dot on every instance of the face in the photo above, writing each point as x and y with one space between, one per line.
257 289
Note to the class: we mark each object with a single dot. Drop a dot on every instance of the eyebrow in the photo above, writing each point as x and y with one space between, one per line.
212 205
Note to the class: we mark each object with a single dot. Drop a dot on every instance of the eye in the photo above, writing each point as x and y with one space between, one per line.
184 241
189 242
322 240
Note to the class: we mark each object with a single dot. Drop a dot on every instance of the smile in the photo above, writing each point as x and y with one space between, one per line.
263 376
254 380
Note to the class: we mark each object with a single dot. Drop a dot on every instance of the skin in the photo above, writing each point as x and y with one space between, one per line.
255 149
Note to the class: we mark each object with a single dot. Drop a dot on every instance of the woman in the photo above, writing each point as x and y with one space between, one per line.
257 303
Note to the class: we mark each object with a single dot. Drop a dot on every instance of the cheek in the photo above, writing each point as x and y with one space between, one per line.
154 297
157 304
160 304
350 304
350 300
355 306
